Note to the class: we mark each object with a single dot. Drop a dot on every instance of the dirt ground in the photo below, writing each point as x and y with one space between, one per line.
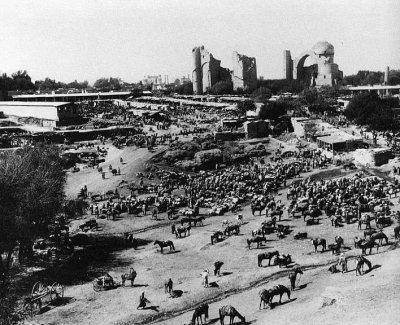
323 298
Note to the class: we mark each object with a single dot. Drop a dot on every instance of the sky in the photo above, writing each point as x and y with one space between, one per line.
89 39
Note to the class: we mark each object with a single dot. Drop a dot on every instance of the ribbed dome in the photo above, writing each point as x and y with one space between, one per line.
323 48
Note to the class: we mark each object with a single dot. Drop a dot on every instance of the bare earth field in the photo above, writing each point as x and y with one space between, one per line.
322 297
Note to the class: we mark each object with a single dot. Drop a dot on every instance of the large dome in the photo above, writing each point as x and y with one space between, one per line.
323 48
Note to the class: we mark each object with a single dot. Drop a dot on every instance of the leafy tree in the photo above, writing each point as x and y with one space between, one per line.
31 194
107 84
184 89
272 110
369 109
22 81
364 77
243 107
222 88
261 94
78 85
49 84
394 77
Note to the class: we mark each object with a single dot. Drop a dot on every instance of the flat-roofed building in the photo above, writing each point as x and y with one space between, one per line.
73 97
48 114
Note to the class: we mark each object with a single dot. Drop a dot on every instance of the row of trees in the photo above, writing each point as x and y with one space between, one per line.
366 77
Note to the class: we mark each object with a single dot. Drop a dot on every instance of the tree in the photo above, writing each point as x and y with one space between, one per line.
22 81
222 88
107 84
49 84
272 110
244 106
78 85
369 109
31 194
261 94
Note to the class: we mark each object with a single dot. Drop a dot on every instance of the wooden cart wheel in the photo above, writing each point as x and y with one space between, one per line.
56 291
37 288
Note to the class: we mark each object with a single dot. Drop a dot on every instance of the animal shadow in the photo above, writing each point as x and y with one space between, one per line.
213 285
155 308
140 285
176 293
172 252
376 266
274 304
302 286
227 273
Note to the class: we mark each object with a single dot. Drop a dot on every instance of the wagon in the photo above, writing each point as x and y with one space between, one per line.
100 285
43 295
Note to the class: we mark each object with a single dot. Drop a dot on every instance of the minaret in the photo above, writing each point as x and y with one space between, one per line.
287 65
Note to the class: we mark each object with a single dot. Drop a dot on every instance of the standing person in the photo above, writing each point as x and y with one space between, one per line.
217 268
343 262
205 274
155 213
144 208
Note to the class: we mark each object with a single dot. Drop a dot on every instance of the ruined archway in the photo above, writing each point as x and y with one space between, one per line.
306 72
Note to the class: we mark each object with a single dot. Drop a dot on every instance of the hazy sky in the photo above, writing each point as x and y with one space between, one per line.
89 39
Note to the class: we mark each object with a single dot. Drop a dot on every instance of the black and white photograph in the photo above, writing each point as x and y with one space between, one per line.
186 162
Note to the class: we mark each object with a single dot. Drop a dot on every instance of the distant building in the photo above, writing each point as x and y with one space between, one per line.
244 74
46 113
207 71
321 69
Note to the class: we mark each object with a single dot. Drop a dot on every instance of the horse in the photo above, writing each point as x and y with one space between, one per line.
198 314
230 311
198 220
230 229
283 260
162 244
380 236
186 220
266 256
129 276
360 261
279 290
217 236
397 232
292 277
178 231
259 240
317 242
300 235
257 207
217 267
366 219
369 232
168 285
283 229
364 245
265 297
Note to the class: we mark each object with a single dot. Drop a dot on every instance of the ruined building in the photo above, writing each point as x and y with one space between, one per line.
320 69
207 70
244 74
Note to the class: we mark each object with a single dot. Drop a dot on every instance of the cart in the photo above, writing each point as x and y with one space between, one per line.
43 295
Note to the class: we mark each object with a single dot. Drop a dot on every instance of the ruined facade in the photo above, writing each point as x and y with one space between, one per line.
287 65
207 71
321 70
244 74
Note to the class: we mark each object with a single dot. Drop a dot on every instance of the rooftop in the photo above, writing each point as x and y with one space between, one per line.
46 104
